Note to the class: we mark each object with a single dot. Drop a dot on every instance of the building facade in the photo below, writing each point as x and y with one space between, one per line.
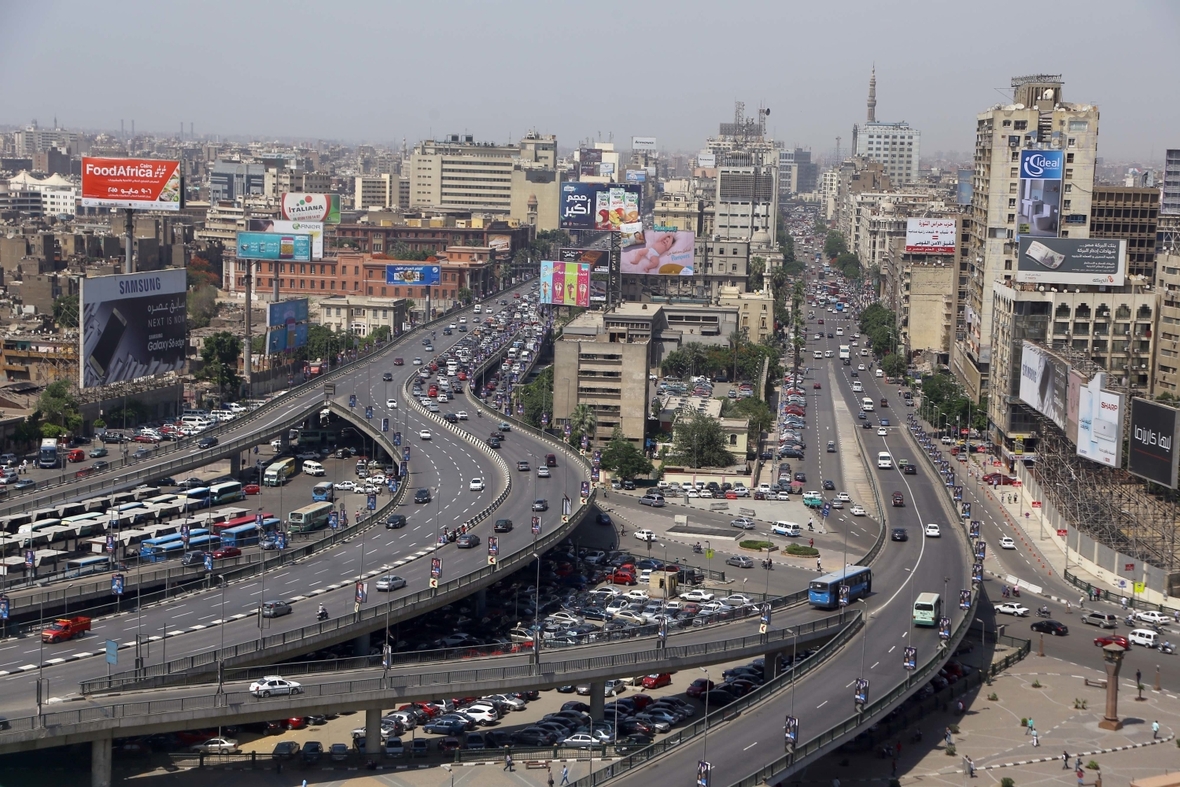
1166 367
361 315
1130 214
1170 204
375 191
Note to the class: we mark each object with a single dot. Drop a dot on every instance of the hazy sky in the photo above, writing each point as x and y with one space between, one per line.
381 71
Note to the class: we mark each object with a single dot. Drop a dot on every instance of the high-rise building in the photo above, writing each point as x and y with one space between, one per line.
1130 214
896 146
230 180
1166 366
797 173
1171 185
375 191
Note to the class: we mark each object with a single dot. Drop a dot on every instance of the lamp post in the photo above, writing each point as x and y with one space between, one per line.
708 689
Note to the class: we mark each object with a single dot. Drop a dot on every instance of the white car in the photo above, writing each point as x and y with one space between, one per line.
847 498
216 746
417 361
391 404
476 485
1151 616
858 510
636 595
274 684
697 594
461 415
543 472
860 367
424 434
390 582
645 535
482 714
344 486
1007 543
933 531
882 432
1012 608
857 388
737 600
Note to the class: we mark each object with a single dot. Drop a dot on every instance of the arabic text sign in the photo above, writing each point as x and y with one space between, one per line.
273 246
145 184
1100 261
930 236
414 275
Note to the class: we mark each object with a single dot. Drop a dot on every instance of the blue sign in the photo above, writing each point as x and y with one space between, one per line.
384 424
117 584
3 607
258 521
208 561
352 400
369 412
397 439
392 486
576 205
30 559
414 275
281 540
372 502
112 649
110 542
184 534
333 520
1042 164
274 246
406 454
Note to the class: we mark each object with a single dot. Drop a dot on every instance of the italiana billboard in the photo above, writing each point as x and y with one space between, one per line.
1038 204
413 275
565 283
313 228
1100 423
305 206
661 251
930 236
133 326
1151 451
136 183
1101 261
1044 383
273 246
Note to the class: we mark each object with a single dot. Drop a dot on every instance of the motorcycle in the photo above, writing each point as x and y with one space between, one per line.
696 549
322 615
1168 648
768 565
1043 612
1016 592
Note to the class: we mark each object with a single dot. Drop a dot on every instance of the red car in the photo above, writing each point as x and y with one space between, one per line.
226 552
821 320
296 723
816 386
399 361
641 700
252 489
1113 639
622 578
145 438
658 680
463 376
699 687
998 479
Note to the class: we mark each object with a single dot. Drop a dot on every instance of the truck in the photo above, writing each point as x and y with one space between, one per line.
50 456
64 629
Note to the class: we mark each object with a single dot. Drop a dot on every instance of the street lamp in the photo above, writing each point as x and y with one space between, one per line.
708 690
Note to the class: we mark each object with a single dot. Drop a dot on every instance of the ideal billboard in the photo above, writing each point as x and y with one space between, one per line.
643 143
599 262
1038 205
133 326
284 339
313 228
305 206
602 206
286 312
930 236
1101 261
565 283
1044 383
1100 424
664 251
136 183
413 275
588 161
274 246
1151 452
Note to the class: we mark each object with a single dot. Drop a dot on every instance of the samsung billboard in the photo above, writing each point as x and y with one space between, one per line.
1044 383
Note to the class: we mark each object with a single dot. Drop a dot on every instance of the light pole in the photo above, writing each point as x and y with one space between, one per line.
708 689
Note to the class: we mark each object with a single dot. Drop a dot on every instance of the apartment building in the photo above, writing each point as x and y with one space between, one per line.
1166 366
1131 214
718 264
923 290
755 311
1171 183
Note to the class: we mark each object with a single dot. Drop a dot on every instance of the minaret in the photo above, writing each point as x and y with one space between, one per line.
873 96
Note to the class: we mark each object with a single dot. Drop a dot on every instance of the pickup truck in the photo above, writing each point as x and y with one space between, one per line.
63 629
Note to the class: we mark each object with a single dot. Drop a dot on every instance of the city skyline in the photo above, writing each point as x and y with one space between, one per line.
496 75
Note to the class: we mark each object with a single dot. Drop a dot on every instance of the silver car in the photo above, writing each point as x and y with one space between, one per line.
390 582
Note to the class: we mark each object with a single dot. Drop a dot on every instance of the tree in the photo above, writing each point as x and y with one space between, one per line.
698 441
757 273
220 354
537 397
622 457
199 273
379 335
583 421
401 251
59 408
834 244
758 413
65 311
893 365
465 296
849 265
202 306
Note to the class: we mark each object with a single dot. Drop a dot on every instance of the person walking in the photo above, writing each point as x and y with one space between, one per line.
1029 726
1077 764
819 566
1036 739
971 767
549 779
1138 677
565 775
1065 761
508 766
1081 777
1155 729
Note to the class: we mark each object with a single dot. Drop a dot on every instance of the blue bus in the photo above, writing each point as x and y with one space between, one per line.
156 553
80 567
240 536
824 593
204 543
197 498
323 491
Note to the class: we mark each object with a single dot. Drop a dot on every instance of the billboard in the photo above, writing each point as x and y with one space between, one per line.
707 160
500 244
1038 205
602 206
313 228
286 338
1100 424
1151 452
663 251
588 161
1101 261
565 283
643 143
635 176
286 314
606 169
274 246
414 275
599 262
1044 383
930 236
305 206
137 183
133 325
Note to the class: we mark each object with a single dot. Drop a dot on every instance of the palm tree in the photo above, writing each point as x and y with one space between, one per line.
695 354
583 421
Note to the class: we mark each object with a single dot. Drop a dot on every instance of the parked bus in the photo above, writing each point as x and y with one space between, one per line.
158 553
228 492
824 593
323 491
238 521
196 498
927 609
86 525
278 473
240 536
309 518
81 566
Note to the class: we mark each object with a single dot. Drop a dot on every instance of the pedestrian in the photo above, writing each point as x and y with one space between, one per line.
1138 677
565 775
1081 777
971 767
1036 739
508 766
947 737
1077 764
549 780
819 566
1029 726
1065 761
1155 729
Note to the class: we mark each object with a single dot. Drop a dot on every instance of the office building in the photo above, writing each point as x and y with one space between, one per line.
896 146
1170 205
59 196
361 315
797 173
231 180
375 192
1166 365
1131 214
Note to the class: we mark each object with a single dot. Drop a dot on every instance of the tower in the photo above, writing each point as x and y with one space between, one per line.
872 103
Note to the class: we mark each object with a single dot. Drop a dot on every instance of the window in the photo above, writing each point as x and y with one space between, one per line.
332 286
1068 158
303 269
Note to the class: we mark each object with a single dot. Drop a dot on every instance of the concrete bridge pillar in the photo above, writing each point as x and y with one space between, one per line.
373 734
360 645
771 667
481 602
235 465
597 699
100 762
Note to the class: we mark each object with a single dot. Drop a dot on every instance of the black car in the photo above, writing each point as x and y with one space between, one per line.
604 519
801 477
207 442
285 750
899 534
629 485
313 752
451 418
502 526
387 377
493 442
854 373
101 464
422 496
1050 627
910 469
194 558
829 484
396 521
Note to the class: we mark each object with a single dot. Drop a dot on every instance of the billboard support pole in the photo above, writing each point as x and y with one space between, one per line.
246 348
128 263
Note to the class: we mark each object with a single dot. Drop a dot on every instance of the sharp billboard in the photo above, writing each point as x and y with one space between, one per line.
599 262
930 236
1152 447
413 275
601 206
133 325
1044 383
313 228
1100 261
662 251
304 206
1100 423
137 183
565 283
274 246
1038 205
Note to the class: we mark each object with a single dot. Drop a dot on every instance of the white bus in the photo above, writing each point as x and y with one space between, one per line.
846 353
927 609
309 518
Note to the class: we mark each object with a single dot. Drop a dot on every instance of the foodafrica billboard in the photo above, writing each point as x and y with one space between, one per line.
565 283
133 326
137 183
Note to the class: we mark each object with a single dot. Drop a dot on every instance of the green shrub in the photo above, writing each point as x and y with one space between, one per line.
799 550
755 544
954 728
1007 781
1036 684
950 750
1092 765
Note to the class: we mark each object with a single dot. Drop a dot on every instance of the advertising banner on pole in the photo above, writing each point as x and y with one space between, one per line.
303 206
136 183
313 228
133 326
273 246
414 275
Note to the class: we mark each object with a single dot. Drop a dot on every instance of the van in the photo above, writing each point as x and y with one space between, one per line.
1101 620
1145 637
879 373
866 404
884 461
786 529
195 413
313 468
478 309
